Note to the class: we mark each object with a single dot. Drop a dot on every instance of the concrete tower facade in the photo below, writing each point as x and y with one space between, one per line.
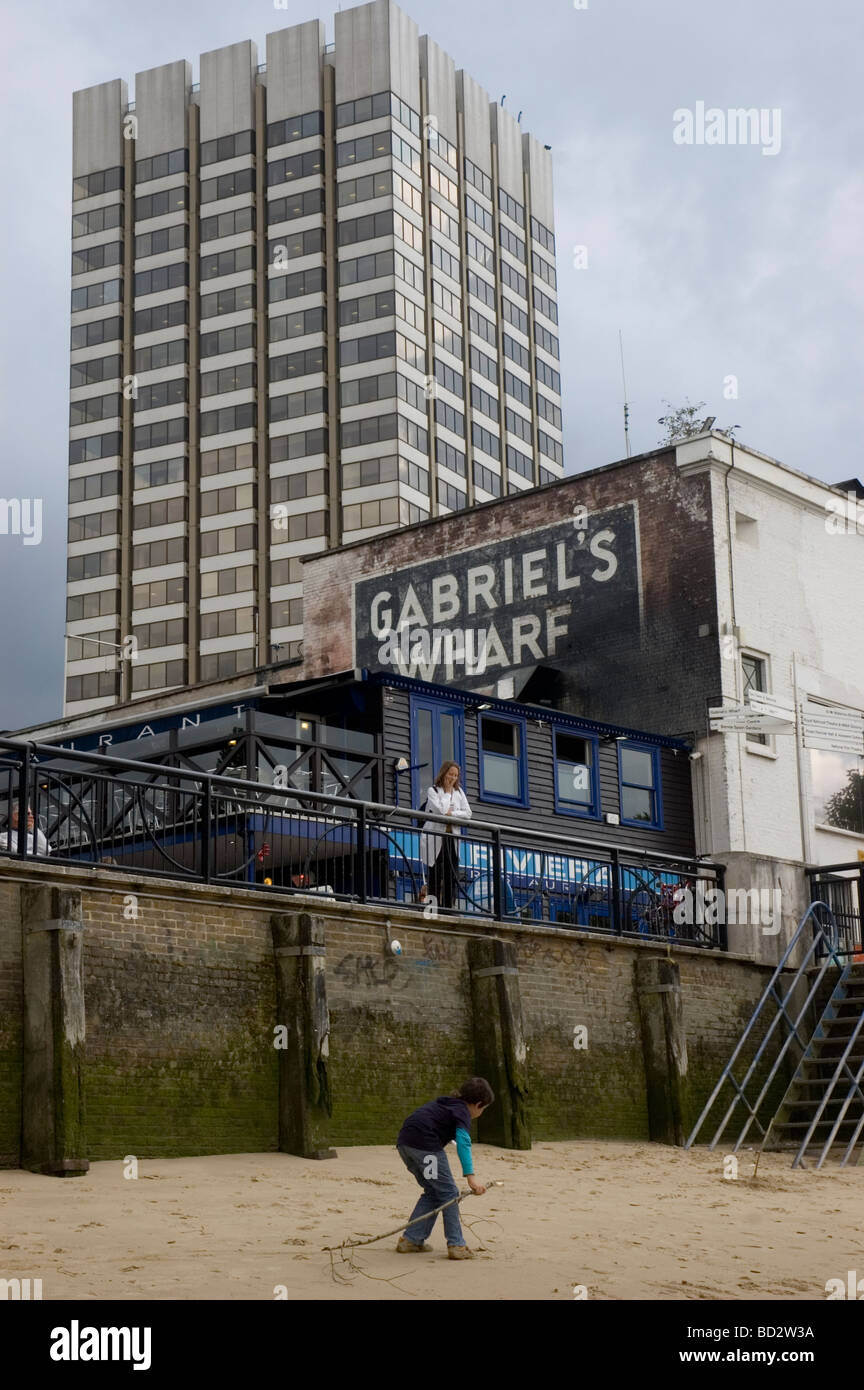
313 299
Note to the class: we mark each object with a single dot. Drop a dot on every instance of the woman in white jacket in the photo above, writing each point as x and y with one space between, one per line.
439 848
9 838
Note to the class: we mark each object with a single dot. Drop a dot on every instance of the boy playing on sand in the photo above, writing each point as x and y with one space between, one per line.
421 1147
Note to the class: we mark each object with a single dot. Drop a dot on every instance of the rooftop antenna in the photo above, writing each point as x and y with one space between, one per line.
504 98
626 404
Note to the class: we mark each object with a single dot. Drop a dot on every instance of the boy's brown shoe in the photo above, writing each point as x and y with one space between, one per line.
459 1252
410 1247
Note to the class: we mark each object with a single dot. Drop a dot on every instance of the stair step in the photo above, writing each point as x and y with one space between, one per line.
802 1101
805 1093
806 1124
821 1081
831 1049
820 1050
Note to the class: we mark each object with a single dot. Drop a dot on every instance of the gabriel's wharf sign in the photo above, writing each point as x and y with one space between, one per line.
545 596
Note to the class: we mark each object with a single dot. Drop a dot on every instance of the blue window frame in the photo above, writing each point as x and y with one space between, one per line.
501 754
437 736
577 787
639 783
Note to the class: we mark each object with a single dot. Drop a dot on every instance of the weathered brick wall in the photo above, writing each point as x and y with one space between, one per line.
180 1006
181 1010
718 1008
11 1022
599 1089
402 1028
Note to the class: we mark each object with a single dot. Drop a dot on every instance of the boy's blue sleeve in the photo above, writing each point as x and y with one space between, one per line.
463 1149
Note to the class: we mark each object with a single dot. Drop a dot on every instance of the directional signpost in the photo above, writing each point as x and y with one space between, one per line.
837 730
765 714
774 707
746 721
821 726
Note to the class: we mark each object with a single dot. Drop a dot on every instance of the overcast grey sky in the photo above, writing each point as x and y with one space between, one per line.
715 261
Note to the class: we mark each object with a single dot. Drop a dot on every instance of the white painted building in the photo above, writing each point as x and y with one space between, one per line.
789 568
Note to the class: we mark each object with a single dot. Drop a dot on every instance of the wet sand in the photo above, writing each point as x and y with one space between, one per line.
624 1221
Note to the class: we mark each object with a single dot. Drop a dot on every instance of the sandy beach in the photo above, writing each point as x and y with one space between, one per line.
624 1221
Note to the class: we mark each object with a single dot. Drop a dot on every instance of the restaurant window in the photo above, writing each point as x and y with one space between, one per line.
639 778
576 792
502 761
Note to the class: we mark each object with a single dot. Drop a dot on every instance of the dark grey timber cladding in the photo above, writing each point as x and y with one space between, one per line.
676 837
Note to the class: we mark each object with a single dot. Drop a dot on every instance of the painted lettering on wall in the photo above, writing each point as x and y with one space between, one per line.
534 599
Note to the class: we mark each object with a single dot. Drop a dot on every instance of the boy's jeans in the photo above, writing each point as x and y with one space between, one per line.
437 1189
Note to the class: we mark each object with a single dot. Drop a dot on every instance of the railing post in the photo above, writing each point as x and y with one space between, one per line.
861 906
497 877
206 822
362 863
615 866
23 802
722 925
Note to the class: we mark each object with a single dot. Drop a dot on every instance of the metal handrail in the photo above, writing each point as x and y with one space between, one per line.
827 1097
102 760
860 1125
825 879
769 993
85 787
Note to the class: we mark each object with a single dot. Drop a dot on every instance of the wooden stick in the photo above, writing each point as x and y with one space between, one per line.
350 1244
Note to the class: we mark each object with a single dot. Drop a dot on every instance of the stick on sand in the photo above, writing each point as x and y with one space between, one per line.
350 1244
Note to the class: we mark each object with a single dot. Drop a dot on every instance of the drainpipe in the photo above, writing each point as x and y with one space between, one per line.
806 838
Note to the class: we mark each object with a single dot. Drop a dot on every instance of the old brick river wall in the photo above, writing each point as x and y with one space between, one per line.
179 1050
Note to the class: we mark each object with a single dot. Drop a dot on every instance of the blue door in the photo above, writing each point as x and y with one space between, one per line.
437 736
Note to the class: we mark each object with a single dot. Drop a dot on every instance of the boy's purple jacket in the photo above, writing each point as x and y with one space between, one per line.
434 1124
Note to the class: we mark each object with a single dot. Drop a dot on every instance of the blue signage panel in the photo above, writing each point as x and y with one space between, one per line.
148 732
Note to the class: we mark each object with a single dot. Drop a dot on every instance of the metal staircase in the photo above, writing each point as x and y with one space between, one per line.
823 1104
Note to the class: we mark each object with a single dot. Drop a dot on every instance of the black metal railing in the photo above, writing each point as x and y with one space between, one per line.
84 808
841 887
